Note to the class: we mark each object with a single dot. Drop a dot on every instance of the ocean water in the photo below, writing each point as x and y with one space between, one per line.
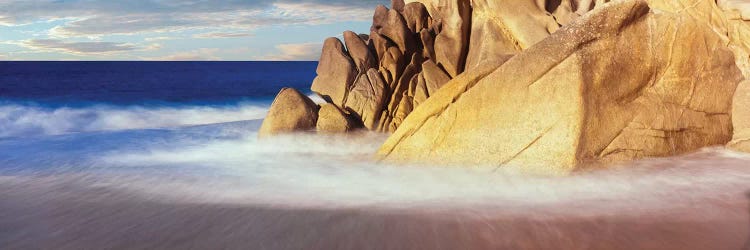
164 155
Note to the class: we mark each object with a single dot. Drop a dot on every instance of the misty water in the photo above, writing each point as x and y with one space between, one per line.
122 175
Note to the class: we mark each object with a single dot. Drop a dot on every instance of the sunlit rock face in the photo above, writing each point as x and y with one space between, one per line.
543 86
620 83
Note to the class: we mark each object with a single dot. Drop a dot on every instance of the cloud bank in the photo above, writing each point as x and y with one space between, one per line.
104 27
298 52
78 47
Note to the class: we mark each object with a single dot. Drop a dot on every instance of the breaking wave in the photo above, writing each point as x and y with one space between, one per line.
19 120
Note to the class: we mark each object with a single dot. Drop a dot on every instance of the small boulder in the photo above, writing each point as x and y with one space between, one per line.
291 111
331 119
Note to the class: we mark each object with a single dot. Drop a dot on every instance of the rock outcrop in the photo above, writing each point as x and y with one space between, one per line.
576 97
379 78
291 111
546 86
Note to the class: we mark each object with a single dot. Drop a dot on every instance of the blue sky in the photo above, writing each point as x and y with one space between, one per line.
176 29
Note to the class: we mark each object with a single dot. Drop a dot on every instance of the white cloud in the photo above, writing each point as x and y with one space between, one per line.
296 52
222 35
158 38
77 47
92 27
208 54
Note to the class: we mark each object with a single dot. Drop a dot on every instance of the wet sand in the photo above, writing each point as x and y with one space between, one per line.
66 215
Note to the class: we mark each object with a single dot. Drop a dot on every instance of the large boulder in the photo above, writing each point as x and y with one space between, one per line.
291 111
336 72
577 98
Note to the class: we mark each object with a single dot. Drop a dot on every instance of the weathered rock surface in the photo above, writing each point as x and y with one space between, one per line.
739 9
741 118
416 16
498 29
434 77
367 98
336 72
561 103
332 119
291 111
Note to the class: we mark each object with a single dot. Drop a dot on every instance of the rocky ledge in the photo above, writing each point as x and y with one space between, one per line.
545 86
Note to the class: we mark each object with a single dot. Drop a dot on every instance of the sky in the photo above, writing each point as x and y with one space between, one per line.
236 30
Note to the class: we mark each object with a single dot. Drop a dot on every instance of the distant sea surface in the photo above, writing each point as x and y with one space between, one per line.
165 155
139 83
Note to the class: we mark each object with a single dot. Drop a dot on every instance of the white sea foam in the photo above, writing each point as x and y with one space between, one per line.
341 171
25 120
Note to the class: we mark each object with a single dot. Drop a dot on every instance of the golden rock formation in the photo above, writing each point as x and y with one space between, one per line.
545 86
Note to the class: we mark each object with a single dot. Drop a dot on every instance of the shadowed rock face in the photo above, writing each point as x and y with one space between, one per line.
452 44
291 111
554 83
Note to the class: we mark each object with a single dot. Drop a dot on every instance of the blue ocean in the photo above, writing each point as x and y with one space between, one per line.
165 155
43 98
